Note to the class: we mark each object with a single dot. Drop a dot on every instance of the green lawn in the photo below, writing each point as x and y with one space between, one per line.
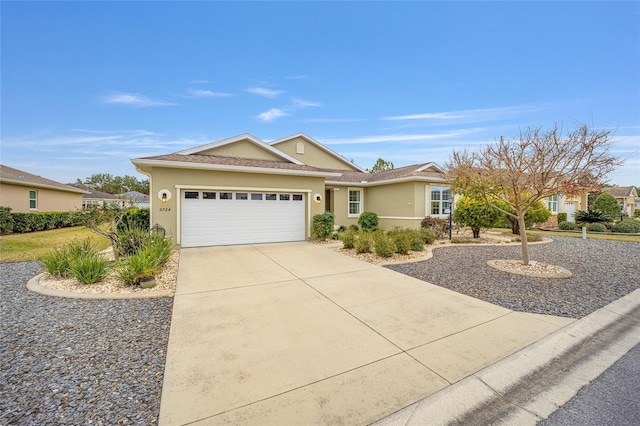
578 234
32 245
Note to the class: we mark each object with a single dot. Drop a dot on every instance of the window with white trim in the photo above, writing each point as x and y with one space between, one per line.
552 204
440 200
33 199
355 202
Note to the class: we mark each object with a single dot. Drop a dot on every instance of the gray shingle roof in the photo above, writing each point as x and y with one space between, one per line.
619 191
19 177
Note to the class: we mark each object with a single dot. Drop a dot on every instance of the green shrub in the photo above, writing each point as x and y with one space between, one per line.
384 245
476 214
341 228
627 226
364 243
146 262
562 217
41 221
402 240
130 239
607 204
89 269
591 216
596 227
368 221
427 235
567 226
348 239
6 220
439 226
322 225
354 228
56 263
135 217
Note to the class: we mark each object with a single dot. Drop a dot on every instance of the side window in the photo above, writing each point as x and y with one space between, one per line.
355 202
33 199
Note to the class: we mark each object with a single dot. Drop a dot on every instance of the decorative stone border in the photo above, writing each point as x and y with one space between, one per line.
555 272
34 285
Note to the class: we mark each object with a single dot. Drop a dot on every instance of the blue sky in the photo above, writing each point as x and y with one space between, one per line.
88 86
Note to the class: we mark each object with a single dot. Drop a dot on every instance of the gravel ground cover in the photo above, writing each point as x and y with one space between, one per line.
78 362
603 271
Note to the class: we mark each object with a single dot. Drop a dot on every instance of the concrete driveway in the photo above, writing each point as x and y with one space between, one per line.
296 333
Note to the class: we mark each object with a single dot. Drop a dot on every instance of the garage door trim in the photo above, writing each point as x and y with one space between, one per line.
181 188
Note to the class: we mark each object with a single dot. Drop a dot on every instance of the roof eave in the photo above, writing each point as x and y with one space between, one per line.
231 168
387 181
42 185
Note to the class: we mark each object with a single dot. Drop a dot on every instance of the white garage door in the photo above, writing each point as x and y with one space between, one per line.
212 218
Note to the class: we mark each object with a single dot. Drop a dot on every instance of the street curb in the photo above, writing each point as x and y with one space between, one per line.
532 383
34 285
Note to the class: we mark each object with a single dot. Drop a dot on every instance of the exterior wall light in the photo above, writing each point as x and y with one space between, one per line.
317 198
164 195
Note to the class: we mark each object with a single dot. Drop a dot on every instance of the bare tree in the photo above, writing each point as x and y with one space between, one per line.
536 165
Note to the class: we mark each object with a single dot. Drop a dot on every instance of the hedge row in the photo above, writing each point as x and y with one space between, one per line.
38 221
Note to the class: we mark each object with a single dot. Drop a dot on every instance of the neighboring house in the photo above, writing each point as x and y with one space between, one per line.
242 190
136 199
626 197
24 192
93 197
564 204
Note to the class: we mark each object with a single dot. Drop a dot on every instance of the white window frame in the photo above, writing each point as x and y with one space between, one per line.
34 199
553 200
360 202
443 205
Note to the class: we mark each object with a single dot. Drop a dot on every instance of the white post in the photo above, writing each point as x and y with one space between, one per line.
584 232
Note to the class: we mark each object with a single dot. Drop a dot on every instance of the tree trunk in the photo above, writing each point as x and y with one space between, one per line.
523 240
476 232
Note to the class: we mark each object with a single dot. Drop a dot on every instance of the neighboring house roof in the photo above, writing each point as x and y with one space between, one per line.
320 146
214 162
94 194
425 171
13 176
135 196
621 191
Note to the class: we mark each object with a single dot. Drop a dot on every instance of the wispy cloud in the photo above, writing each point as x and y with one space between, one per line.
301 103
330 120
398 138
263 91
135 100
271 115
200 93
471 115
200 82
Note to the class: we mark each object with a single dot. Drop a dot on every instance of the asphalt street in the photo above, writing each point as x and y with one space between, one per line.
613 398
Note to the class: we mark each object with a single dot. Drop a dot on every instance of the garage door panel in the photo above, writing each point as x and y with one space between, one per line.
207 222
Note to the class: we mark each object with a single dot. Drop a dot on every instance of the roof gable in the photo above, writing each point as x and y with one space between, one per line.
241 146
621 191
9 175
314 153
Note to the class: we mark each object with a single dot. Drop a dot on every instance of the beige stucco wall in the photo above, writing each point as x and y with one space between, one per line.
243 149
399 204
48 200
313 155
166 214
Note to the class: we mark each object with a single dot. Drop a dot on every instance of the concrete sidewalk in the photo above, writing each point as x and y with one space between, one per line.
296 333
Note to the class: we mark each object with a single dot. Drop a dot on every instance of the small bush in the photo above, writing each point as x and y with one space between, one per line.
567 226
427 235
562 217
384 245
322 225
439 226
627 226
146 262
89 269
402 241
364 243
368 221
58 262
135 217
6 220
354 228
348 239
596 227
341 228
130 239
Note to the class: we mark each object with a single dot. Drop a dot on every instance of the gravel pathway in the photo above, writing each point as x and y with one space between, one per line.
603 271
73 361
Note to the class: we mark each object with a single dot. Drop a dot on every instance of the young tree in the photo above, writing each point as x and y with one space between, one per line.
531 167
476 214
382 166
608 205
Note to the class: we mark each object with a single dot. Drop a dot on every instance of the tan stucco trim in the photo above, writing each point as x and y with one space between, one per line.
230 168
183 187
